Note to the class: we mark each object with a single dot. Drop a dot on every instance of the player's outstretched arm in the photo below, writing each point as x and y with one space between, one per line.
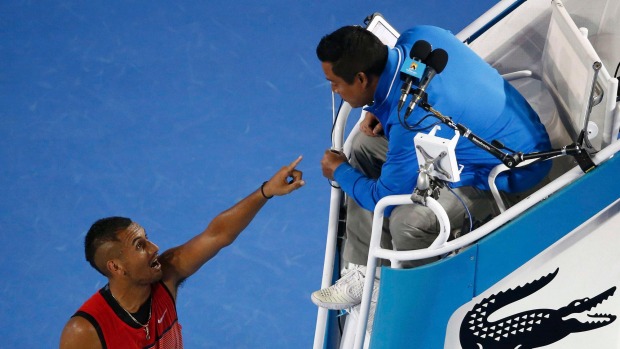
180 262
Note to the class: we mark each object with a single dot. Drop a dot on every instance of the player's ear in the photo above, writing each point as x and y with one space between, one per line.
115 268
362 77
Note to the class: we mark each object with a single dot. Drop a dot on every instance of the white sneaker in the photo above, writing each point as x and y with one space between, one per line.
345 293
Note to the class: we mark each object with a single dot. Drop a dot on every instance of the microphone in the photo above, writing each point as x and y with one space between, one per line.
435 64
413 68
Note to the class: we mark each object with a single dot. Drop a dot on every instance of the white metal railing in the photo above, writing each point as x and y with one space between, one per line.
496 171
376 252
483 20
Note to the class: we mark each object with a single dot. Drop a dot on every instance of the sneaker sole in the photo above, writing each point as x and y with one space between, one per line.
332 306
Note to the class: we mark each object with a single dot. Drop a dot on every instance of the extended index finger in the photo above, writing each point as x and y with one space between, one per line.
295 163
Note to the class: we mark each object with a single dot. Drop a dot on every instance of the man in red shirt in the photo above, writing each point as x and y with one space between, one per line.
136 309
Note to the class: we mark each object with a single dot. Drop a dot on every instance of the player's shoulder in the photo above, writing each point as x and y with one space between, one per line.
79 333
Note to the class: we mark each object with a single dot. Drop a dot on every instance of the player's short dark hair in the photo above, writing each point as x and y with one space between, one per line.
102 231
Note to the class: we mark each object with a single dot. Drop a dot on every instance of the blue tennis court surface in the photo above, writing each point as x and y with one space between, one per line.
168 113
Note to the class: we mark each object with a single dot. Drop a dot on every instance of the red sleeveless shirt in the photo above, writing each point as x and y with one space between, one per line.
117 330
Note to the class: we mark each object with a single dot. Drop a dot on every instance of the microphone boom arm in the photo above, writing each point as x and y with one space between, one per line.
512 160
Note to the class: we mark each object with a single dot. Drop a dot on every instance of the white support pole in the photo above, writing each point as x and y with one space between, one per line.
332 227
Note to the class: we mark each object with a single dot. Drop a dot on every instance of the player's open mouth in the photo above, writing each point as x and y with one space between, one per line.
155 264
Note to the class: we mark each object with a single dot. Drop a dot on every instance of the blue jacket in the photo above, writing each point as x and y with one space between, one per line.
469 91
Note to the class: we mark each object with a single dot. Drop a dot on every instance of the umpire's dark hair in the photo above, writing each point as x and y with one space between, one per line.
353 49
102 231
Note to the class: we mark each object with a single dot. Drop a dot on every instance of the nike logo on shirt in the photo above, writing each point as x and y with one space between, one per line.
162 317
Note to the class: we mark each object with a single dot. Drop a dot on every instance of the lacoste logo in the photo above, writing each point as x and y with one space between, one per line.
532 328
162 317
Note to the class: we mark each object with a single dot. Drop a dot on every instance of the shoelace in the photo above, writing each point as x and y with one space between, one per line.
351 274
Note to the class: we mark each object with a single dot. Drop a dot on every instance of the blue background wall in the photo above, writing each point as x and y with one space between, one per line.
168 113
